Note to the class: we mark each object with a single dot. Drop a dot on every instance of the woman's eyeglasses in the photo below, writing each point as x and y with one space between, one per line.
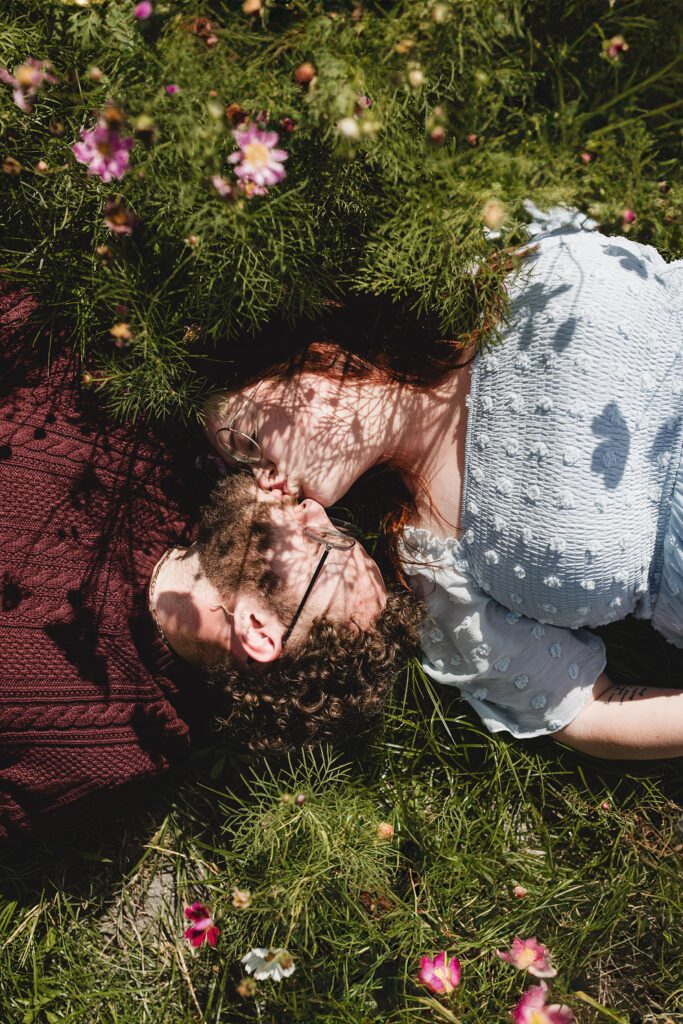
241 447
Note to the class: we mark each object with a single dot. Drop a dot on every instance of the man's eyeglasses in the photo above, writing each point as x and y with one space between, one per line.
241 447
341 538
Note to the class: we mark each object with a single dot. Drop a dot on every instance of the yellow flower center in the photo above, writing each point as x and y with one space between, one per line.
257 154
25 74
526 958
104 147
538 1017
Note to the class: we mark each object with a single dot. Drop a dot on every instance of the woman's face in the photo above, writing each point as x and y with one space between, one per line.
310 433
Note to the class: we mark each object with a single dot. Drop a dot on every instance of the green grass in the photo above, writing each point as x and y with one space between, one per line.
91 927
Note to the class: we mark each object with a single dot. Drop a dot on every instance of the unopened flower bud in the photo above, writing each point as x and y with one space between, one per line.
628 216
385 830
42 166
472 139
105 255
95 74
304 74
493 215
192 241
520 892
247 988
213 93
349 128
440 13
211 41
11 166
286 798
416 78
437 135
241 899
87 380
605 805
586 158
300 799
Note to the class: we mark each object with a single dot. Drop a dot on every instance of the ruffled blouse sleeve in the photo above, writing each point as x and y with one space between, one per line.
519 675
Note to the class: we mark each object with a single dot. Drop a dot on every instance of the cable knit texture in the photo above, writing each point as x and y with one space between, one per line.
573 451
91 702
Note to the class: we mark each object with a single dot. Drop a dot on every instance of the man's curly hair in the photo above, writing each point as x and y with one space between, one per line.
332 685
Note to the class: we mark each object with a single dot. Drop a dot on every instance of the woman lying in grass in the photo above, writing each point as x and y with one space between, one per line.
543 475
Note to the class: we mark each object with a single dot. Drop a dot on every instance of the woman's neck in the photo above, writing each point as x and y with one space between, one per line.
423 434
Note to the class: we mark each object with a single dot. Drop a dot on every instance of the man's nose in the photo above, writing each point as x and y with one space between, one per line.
312 513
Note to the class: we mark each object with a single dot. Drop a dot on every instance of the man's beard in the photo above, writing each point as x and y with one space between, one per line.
235 539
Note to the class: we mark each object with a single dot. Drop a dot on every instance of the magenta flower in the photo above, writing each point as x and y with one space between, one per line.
532 1009
628 216
104 151
529 955
202 928
258 161
27 80
438 974
143 10
172 89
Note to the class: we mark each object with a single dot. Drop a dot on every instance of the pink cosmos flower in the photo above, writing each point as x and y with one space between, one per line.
529 955
257 159
532 1009
104 151
143 10
27 80
438 974
202 928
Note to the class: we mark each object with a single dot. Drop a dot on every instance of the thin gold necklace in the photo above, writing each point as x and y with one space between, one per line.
150 594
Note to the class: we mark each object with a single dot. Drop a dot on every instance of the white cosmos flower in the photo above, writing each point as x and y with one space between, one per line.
275 964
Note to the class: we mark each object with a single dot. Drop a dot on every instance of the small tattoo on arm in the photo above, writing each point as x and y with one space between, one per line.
626 693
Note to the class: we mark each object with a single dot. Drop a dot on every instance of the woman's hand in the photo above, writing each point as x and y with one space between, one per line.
627 722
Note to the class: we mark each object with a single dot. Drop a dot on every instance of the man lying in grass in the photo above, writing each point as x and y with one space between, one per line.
110 623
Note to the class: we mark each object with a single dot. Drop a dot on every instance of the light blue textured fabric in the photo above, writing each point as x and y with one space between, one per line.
574 439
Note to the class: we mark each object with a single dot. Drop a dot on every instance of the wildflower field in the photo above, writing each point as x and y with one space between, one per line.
177 176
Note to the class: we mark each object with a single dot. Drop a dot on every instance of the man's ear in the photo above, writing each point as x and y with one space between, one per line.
257 631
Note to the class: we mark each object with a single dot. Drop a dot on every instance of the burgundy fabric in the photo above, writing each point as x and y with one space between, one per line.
91 702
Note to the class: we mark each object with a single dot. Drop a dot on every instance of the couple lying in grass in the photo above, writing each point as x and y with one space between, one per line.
542 499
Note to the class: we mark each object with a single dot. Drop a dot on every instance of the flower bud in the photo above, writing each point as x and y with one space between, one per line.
241 899
349 128
519 891
586 158
440 13
192 241
472 139
385 830
628 216
247 988
300 799
437 135
105 255
304 74
416 77
95 74
493 215
11 166
87 380
42 166
252 6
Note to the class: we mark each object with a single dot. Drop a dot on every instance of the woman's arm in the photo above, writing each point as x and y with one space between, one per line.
629 722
